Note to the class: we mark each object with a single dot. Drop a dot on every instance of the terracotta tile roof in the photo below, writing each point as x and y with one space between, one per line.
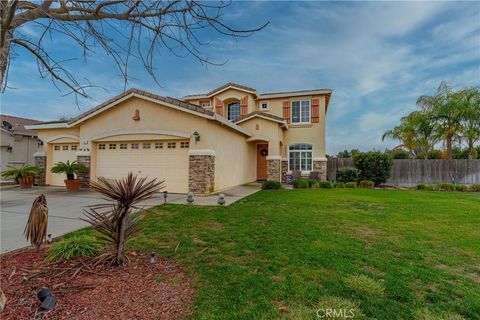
260 113
176 102
18 125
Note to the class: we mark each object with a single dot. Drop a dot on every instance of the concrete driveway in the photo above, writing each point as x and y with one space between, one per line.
65 209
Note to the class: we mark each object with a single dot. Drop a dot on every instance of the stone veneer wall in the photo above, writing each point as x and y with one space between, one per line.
273 169
320 165
84 177
40 177
284 169
201 173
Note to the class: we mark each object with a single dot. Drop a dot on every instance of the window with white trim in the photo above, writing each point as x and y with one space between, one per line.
233 111
184 145
56 148
65 148
112 146
264 106
158 145
146 146
172 145
73 147
301 111
123 146
300 157
134 146
101 146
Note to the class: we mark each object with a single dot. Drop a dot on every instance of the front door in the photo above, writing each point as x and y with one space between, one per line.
262 153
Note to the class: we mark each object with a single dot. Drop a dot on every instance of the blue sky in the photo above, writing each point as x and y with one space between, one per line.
377 57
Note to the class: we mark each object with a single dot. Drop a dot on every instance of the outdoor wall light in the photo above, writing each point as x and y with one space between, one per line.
151 258
165 195
49 238
196 135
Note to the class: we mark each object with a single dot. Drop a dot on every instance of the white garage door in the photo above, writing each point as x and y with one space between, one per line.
62 152
164 160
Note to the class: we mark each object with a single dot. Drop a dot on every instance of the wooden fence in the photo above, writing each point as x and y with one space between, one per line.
409 172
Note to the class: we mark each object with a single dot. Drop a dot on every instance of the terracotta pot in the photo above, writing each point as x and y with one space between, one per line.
26 182
72 185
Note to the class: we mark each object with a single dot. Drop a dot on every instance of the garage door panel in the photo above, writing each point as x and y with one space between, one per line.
170 165
62 153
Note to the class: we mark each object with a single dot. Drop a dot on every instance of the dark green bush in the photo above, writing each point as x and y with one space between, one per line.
461 187
400 154
366 184
311 182
74 246
351 185
271 185
300 184
313 185
325 185
445 187
347 174
339 185
433 154
374 166
474 187
425 187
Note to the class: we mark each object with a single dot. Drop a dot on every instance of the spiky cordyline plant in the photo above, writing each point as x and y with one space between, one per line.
114 221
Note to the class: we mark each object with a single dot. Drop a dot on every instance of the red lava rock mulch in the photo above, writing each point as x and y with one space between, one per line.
135 291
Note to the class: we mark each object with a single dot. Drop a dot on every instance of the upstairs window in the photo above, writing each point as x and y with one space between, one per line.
205 104
264 106
300 157
233 111
301 111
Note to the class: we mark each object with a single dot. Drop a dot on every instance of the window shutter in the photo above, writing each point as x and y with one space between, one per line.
218 106
244 106
286 111
315 110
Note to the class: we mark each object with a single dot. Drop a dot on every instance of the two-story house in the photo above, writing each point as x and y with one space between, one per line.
203 143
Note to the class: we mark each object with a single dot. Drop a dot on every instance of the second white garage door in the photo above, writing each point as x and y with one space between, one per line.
164 160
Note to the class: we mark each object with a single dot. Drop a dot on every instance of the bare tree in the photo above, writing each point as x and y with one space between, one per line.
123 29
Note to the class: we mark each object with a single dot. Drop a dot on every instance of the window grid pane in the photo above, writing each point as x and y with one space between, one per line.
233 111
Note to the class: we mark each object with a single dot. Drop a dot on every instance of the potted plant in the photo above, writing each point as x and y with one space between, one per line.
23 175
70 169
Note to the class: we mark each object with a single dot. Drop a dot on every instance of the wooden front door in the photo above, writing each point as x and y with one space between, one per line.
262 153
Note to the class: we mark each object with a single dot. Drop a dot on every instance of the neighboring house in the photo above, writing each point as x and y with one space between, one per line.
18 144
203 143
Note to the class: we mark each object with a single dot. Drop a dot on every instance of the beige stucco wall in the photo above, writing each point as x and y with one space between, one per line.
269 130
23 148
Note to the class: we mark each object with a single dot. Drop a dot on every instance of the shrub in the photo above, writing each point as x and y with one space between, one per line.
311 182
461 187
300 184
339 185
374 166
271 185
325 185
348 174
367 184
445 187
400 154
314 185
74 246
425 187
475 187
350 185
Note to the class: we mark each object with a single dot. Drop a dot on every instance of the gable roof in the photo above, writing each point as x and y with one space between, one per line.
263 115
17 125
167 101
226 86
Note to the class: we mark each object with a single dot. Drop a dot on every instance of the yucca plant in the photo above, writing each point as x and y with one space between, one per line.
114 221
69 168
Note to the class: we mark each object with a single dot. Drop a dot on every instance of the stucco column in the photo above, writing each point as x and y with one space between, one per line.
320 164
201 171
41 162
83 157
274 164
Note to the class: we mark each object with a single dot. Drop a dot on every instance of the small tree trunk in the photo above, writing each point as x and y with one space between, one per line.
121 240
470 149
449 148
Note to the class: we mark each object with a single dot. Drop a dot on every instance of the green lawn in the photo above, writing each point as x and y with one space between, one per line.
386 254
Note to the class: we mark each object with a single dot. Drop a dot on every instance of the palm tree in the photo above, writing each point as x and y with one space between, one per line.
444 110
404 133
469 101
